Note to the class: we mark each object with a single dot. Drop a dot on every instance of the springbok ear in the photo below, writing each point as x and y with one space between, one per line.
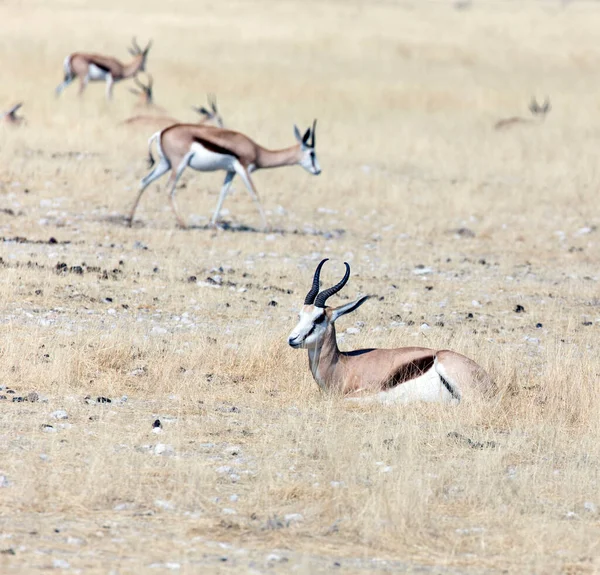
349 307
306 136
297 134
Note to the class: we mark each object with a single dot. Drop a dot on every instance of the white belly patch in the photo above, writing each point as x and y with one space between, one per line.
95 73
427 387
204 160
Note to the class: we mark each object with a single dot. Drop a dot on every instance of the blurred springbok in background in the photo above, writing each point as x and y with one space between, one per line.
398 375
210 117
539 115
10 116
98 68
145 95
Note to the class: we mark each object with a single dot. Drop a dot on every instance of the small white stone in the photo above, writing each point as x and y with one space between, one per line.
59 414
4 482
229 511
293 518
163 449
233 498
590 507
156 330
274 558
60 564
353 330
224 469
167 505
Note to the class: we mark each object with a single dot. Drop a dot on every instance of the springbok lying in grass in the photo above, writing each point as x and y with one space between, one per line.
539 115
209 149
10 116
209 117
98 68
145 95
397 375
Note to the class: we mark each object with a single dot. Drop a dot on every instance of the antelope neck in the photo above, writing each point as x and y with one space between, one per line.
131 68
323 360
275 158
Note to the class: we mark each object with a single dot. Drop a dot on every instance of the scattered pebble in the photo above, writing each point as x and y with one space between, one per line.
59 414
163 449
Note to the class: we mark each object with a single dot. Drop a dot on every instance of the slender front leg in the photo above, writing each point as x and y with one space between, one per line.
174 179
224 191
109 86
252 190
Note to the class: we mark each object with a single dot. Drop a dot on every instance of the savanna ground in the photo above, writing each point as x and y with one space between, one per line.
450 223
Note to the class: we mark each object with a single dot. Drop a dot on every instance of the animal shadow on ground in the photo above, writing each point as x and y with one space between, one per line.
119 219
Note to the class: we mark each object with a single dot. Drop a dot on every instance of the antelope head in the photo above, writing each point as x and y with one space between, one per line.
145 92
137 52
212 114
315 317
538 110
308 157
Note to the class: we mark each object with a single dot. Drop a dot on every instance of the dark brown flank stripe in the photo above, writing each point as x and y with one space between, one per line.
101 66
410 371
212 147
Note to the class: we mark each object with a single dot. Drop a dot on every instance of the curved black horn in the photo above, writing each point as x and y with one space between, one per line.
326 293
314 127
314 290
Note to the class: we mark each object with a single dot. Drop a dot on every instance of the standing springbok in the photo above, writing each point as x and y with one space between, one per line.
397 375
209 149
10 116
539 115
98 68
210 117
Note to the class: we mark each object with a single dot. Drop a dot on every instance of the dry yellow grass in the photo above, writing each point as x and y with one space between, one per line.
406 94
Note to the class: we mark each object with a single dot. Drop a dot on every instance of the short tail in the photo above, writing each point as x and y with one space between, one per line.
155 136
67 69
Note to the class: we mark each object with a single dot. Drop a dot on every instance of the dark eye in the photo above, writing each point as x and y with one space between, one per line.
320 319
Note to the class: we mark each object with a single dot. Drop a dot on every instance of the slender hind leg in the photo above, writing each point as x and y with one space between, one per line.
109 86
224 191
83 81
161 168
64 84
252 190
173 184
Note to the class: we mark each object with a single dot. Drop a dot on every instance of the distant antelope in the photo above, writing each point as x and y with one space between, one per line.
10 116
98 68
539 114
145 94
208 149
397 375
210 117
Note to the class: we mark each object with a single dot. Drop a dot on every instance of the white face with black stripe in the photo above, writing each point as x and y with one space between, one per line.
312 324
309 161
